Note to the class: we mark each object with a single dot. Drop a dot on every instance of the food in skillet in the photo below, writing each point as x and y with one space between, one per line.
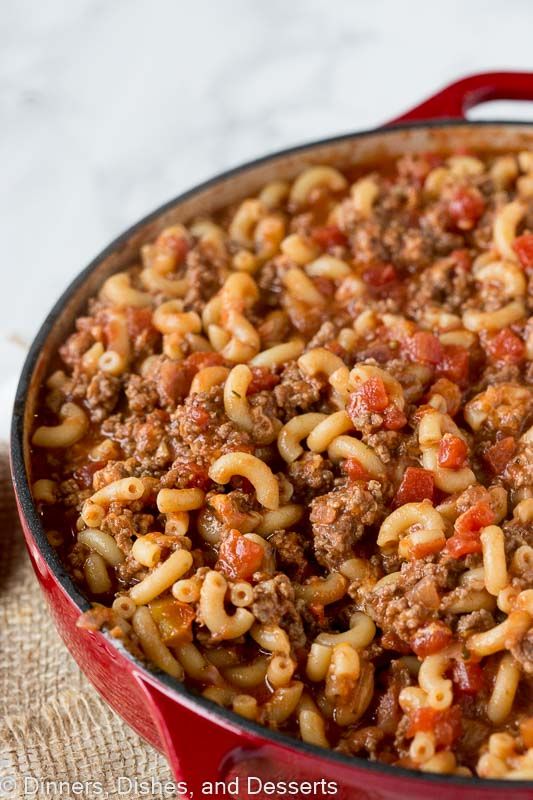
289 457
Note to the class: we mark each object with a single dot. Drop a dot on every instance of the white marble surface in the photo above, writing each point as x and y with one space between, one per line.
110 107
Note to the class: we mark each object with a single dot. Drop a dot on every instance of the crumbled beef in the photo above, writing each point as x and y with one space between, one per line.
102 395
76 345
113 471
204 280
475 622
443 283
290 553
338 520
388 712
274 604
523 652
364 742
516 534
296 393
141 393
202 424
264 410
311 474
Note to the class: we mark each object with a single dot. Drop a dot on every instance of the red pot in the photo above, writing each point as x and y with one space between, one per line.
202 741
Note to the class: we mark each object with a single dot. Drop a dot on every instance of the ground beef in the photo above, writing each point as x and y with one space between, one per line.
504 408
516 534
338 521
113 471
102 395
311 474
290 553
274 604
518 475
204 280
444 284
399 609
76 345
264 411
141 394
202 424
523 652
389 713
475 622
364 742
413 378
296 393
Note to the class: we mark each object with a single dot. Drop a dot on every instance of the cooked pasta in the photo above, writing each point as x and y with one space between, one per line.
288 455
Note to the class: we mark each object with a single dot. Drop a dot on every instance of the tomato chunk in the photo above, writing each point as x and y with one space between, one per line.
329 236
393 418
197 361
239 557
445 725
523 247
452 453
417 484
425 347
466 206
466 539
454 364
505 346
355 470
262 378
174 620
371 396
467 676
498 456
380 275
476 517
431 638
138 321
463 260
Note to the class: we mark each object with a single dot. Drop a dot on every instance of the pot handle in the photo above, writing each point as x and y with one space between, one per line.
454 100
198 748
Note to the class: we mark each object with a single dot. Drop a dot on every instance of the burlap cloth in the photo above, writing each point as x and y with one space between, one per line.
53 725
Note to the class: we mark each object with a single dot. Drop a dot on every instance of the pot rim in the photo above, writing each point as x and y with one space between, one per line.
204 707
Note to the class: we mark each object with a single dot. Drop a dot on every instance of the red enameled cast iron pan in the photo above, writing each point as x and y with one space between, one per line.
202 741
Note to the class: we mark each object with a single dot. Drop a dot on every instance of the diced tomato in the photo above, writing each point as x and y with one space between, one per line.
84 474
452 452
393 418
262 379
476 517
445 725
239 557
505 346
523 247
417 484
380 275
371 396
173 243
325 286
200 416
329 236
138 321
454 364
173 381
198 476
391 641
467 530
499 455
463 260
466 206
197 361
335 347
459 546
174 620
431 638
467 676
451 393
425 347
423 549
355 470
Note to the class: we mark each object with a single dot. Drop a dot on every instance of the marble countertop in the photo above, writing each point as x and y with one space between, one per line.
110 107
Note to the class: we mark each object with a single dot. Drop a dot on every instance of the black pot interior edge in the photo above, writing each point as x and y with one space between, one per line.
22 488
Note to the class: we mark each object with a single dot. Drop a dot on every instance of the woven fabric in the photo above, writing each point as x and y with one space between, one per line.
53 725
